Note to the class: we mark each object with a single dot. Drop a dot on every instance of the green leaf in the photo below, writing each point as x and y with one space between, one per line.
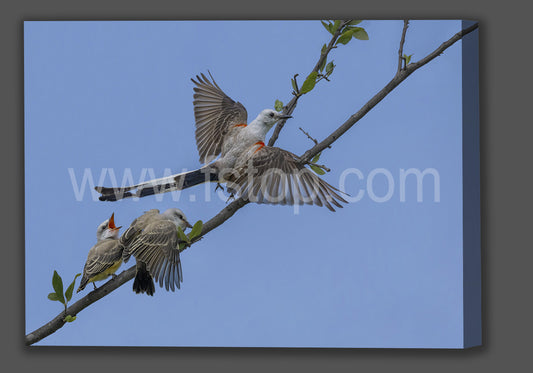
181 246
53 296
360 34
327 26
345 37
69 318
317 169
354 22
329 68
70 289
407 59
197 228
309 83
324 49
182 236
335 27
57 283
356 32
278 105
322 65
293 82
315 158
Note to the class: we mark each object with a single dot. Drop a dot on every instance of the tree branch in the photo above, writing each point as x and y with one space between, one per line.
402 41
58 322
228 211
289 108
224 214
105 289
396 80
128 274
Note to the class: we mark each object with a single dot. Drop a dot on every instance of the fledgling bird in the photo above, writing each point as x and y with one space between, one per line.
105 257
152 239
252 170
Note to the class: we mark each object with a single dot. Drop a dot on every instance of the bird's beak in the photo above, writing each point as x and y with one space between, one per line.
285 116
111 223
187 224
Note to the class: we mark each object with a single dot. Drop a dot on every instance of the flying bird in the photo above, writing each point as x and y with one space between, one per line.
251 169
152 239
105 257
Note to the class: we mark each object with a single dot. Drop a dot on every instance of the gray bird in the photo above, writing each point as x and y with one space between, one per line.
152 239
105 257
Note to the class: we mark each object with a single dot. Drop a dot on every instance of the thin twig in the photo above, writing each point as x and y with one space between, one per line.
401 59
322 76
296 92
310 137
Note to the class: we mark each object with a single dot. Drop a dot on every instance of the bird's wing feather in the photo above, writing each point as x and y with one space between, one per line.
136 227
102 256
215 113
157 247
278 178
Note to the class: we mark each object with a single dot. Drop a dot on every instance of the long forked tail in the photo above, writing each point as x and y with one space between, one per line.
165 184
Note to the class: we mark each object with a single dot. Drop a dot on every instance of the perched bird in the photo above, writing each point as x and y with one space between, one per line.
105 257
152 239
253 170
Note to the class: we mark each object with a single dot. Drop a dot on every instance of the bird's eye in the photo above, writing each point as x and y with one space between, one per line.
271 115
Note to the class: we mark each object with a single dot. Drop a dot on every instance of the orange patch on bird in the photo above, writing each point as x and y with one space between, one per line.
240 125
261 146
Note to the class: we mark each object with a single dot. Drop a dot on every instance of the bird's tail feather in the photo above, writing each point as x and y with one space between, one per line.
84 281
143 282
166 184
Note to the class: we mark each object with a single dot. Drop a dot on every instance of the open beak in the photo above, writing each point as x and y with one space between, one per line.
111 224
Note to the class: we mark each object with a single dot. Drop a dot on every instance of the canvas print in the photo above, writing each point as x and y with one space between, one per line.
252 183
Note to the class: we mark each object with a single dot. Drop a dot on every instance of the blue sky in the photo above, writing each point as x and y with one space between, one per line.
118 95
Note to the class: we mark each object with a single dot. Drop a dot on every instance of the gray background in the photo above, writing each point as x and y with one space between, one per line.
505 49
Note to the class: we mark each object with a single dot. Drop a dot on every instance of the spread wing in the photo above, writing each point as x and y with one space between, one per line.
278 178
101 257
156 246
215 113
134 229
